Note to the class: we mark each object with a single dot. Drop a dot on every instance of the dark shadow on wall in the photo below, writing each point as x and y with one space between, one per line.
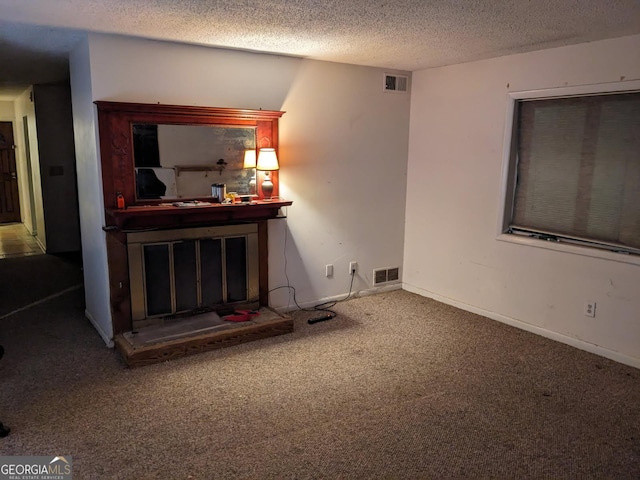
56 150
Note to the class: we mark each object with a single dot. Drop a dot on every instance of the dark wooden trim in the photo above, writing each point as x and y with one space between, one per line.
158 216
263 255
119 283
183 111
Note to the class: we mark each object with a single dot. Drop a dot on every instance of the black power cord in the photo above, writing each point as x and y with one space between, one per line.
321 307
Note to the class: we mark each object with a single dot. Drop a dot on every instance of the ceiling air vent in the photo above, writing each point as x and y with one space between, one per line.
395 83
385 275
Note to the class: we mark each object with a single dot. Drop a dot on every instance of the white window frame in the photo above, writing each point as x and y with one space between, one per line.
506 186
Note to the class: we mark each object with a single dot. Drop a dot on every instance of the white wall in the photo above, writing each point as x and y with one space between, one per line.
343 150
32 215
94 249
454 194
7 113
52 212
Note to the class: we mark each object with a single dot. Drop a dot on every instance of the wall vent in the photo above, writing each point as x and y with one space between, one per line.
386 275
395 83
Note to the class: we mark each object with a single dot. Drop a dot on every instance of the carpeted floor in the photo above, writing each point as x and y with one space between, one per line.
397 386
24 280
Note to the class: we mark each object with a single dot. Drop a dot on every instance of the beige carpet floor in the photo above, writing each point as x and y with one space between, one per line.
397 386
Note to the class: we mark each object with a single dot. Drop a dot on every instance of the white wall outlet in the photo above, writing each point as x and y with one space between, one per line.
328 270
353 267
590 309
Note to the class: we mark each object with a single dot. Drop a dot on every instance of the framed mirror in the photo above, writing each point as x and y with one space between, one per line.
183 161
151 154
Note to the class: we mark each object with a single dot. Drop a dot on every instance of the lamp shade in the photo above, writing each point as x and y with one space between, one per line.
249 159
267 159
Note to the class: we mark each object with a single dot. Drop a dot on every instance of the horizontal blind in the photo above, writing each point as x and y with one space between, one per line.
578 168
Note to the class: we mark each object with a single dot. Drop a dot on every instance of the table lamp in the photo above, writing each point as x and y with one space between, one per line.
267 162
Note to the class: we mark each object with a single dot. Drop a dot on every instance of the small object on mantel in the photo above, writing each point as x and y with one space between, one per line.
191 203
120 201
241 316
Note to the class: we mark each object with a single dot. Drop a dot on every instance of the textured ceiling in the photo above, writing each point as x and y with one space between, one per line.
400 34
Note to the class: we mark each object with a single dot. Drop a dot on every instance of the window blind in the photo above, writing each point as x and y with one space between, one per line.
578 168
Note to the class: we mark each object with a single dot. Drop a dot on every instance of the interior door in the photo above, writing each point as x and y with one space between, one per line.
9 201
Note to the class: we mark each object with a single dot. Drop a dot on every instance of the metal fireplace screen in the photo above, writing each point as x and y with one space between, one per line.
176 271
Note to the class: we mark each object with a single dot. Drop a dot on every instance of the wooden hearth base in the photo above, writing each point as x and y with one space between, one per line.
138 354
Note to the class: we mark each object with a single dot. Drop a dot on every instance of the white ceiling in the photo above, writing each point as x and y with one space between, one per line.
36 36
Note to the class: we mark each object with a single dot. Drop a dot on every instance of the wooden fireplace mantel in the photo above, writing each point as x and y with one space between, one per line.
159 216
115 121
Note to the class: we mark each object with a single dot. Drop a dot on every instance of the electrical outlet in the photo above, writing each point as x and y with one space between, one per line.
353 267
590 309
328 270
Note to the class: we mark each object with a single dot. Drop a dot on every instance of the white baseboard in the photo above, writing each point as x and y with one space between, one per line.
40 244
337 298
106 338
558 337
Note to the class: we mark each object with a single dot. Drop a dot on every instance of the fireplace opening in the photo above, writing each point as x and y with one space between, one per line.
182 271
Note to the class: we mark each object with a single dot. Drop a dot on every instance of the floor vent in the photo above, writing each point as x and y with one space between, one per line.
395 83
386 275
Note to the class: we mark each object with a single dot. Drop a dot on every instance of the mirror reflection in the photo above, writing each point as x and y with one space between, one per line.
183 161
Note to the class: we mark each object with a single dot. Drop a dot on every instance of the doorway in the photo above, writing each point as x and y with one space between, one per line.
9 199
16 241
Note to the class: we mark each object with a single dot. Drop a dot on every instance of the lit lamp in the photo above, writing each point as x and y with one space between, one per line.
250 162
267 162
